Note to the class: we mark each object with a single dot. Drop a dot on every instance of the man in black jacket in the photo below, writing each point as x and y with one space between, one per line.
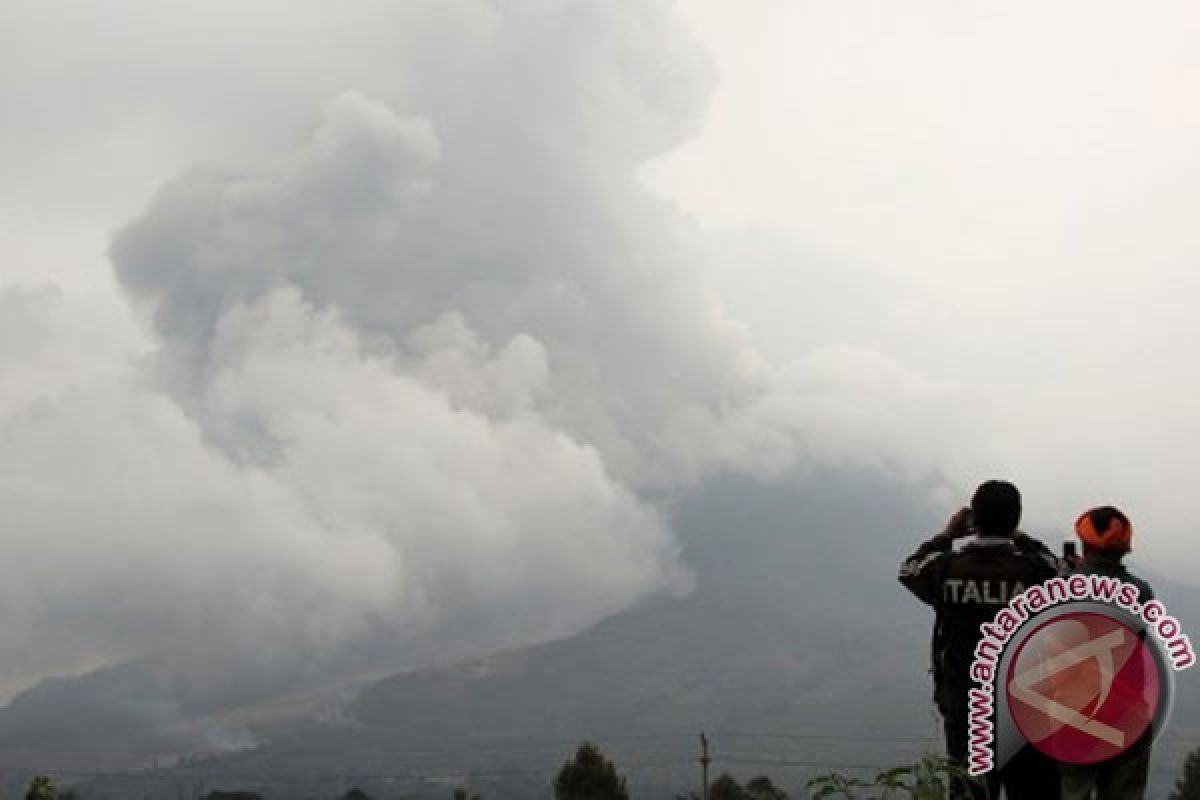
967 588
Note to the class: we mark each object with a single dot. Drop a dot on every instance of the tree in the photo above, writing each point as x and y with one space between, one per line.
761 788
1188 785
41 788
589 776
726 788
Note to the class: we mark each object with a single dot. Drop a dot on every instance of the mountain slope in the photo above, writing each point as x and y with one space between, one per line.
797 652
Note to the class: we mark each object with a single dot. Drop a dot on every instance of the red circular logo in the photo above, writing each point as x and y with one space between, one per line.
1083 687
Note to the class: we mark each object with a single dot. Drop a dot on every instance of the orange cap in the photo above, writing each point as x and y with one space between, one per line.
1105 528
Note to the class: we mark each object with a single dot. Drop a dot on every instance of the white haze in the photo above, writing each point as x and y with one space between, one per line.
408 365
999 196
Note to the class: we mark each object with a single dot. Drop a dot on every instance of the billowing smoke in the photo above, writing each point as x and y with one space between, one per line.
417 387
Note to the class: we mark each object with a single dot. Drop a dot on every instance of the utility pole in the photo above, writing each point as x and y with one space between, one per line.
704 762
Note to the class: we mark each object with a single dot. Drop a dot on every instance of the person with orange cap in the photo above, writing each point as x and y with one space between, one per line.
1107 537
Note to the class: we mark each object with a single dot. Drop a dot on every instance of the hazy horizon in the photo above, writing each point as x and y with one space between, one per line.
345 336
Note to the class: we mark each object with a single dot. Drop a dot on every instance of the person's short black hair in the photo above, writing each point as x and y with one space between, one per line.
996 508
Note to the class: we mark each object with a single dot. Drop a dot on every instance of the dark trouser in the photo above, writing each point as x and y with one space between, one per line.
1029 775
1120 778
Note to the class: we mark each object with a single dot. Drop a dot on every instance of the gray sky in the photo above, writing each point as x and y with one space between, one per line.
999 196
412 309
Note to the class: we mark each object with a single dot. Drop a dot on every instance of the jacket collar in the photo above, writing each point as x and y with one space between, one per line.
1101 558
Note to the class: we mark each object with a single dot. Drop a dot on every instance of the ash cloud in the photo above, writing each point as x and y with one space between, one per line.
419 387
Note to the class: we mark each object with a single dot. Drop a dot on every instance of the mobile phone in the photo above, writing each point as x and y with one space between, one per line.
1069 551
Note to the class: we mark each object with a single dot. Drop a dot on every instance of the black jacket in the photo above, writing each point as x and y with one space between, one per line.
1098 563
966 589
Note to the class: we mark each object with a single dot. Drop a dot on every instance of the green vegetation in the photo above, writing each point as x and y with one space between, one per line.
1188 785
760 788
41 788
589 776
929 779
725 788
